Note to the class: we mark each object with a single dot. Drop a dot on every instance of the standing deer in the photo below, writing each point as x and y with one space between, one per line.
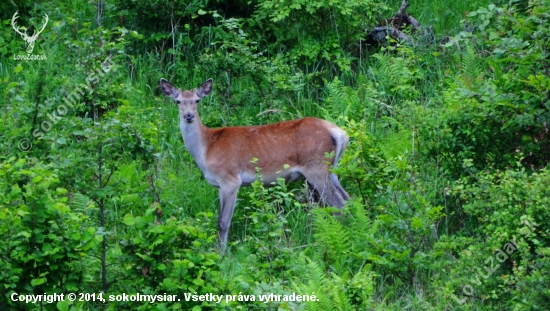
290 149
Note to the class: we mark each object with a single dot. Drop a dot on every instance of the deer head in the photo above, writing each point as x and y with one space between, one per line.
29 40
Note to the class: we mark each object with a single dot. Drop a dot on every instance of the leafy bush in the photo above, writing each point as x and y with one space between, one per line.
45 243
507 259
346 291
498 105
268 236
247 75
325 31
175 257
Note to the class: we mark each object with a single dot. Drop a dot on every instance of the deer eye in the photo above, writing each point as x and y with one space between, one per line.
197 101
178 102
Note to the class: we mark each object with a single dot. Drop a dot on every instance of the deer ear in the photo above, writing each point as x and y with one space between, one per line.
205 88
168 88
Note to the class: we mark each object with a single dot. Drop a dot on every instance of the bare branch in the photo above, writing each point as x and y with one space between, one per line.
414 23
403 7
380 33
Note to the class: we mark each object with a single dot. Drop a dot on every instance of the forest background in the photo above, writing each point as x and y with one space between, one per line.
447 165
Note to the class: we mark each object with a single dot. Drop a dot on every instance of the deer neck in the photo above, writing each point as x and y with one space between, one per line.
194 136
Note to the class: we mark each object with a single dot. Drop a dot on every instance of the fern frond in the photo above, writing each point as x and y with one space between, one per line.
470 64
341 102
341 300
362 287
80 202
316 282
333 237
390 71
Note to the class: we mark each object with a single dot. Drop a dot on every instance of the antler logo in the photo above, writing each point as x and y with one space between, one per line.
29 40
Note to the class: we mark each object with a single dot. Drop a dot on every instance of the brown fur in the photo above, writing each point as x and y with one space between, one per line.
225 155
241 143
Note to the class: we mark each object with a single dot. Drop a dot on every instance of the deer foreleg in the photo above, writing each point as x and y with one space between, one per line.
228 198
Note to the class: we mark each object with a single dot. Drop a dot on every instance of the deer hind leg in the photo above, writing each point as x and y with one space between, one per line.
331 192
340 141
339 187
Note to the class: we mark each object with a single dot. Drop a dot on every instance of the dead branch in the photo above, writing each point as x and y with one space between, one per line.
393 27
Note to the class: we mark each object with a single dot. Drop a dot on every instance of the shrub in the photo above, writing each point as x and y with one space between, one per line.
498 104
177 257
511 208
45 242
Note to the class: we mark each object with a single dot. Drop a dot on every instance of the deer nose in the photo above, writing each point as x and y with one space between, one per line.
189 117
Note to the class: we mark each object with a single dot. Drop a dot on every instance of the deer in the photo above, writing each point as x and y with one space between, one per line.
230 156
29 40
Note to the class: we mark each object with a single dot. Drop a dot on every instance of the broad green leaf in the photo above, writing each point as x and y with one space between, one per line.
129 220
36 282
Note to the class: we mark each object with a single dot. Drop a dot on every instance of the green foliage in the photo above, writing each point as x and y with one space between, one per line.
362 166
396 76
322 30
511 208
268 237
365 113
46 243
505 258
334 292
342 102
497 106
409 221
232 54
155 18
345 241
173 257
